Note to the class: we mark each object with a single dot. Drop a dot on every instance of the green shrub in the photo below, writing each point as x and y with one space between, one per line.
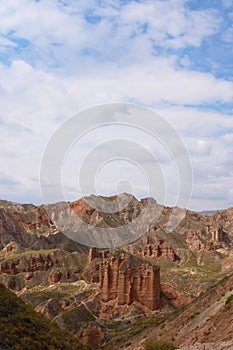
229 299
159 346
194 314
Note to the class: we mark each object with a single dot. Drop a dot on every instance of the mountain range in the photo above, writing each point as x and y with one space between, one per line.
166 276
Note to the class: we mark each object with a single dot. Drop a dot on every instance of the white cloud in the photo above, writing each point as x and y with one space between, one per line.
203 147
69 64
58 33
35 102
195 122
4 42
227 3
228 138
169 24
228 35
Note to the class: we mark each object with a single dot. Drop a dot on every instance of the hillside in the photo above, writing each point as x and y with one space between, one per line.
22 328
204 324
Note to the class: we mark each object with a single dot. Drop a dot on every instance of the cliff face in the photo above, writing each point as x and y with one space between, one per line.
127 279
10 229
29 227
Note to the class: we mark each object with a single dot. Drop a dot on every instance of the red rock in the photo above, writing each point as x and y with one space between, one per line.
54 277
176 298
157 250
129 279
95 253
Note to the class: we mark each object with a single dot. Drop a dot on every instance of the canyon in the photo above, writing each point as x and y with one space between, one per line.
97 293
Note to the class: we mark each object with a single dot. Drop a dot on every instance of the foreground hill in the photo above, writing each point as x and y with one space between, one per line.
22 328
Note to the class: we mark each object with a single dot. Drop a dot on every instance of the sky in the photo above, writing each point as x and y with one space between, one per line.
58 58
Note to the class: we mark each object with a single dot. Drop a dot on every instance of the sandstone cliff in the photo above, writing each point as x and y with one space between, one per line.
129 279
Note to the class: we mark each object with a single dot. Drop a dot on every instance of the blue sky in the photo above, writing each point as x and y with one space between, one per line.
60 57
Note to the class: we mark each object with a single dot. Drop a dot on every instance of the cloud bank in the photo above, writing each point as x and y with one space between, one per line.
60 57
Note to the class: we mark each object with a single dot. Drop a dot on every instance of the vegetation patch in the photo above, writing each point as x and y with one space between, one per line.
74 318
138 327
21 328
193 315
229 299
159 346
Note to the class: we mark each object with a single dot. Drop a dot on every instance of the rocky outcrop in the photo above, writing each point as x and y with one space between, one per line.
204 324
10 230
11 249
216 232
50 309
96 253
228 262
55 277
27 264
159 250
33 219
206 239
30 269
129 279
174 297
26 227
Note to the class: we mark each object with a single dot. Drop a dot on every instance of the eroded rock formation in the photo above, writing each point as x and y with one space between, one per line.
39 267
158 250
129 279
33 252
27 264
96 253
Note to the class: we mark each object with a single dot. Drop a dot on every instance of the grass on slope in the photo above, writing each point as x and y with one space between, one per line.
21 328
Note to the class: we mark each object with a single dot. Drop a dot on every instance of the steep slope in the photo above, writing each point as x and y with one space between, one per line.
30 227
206 321
22 328
40 267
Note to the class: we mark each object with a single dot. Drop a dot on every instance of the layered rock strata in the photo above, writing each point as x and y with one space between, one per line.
127 279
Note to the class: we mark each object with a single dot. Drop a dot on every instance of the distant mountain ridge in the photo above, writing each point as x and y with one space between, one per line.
210 212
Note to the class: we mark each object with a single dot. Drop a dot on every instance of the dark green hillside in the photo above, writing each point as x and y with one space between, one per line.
21 328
